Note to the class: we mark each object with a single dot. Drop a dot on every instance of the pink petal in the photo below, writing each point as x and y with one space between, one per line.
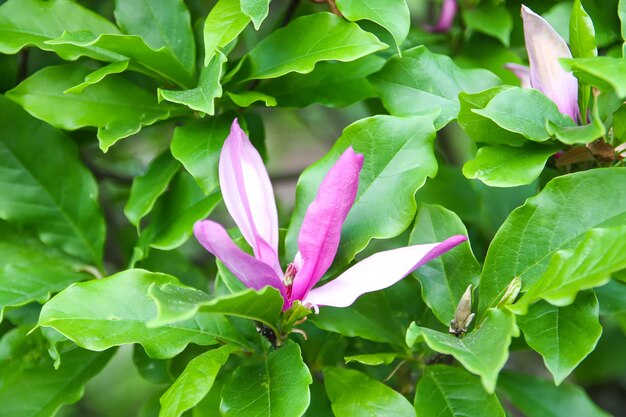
376 272
321 228
545 47
252 272
522 72
446 17
249 196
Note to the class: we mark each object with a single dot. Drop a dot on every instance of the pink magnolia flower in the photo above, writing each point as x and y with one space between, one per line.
449 9
249 198
545 47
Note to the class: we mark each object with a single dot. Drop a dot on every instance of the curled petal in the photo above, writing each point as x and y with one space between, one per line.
522 72
249 196
376 272
545 47
321 228
446 17
252 272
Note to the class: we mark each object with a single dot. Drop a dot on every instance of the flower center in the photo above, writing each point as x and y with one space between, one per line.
290 274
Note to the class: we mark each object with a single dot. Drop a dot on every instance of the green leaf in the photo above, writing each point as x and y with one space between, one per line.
525 111
148 187
508 166
298 46
393 15
333 84
582 36
557 218
572 135
33 22
606 73
247 98
564 336
223 24
161 23
373 359
421 81
175 303
64 213
366 397
398 157
589 264
275 386
483 351
536 397
492 20
200 98
444 279
197 145
98 75
621 12
447 391
256 10
195 382
114 311
39 389
117 107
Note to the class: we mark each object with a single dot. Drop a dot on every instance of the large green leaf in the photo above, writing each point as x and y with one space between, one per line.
564 336
64 213
557 218
483 351
393 15
115 311
195 382
366 397
117 107
492 20
275 386
223 24
447 391
161 23
606 73
509 166
444 279
256 10
304 42
197 145
421 81
398 157
537 397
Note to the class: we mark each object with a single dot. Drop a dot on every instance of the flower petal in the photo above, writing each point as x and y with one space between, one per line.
252 272
321 228
522 72
376 272
446 16
545 47
249 196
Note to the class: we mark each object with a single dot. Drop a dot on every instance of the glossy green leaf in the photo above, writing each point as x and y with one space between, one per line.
398 157
98 75
447 391
422 81
175 303
606 73
197 145
247 98
114 311
99 106
223 24
393 15
582 36
275 386
564 336
64 214
483 351
373 359
365 397
256 10
33 22
161 23
444 279
536 397
584 134
333 84
200 98
557 218
492 20
148 187
195 382
589 264
508 166
298 46
525 111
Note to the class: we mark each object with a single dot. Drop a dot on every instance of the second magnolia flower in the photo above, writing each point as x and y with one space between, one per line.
249 198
